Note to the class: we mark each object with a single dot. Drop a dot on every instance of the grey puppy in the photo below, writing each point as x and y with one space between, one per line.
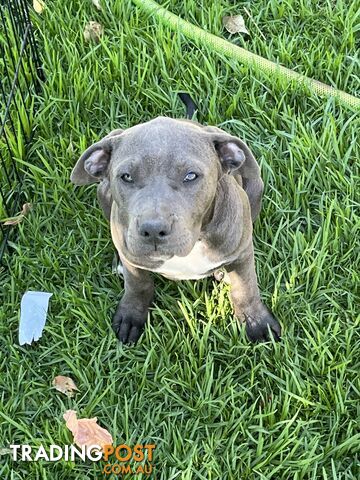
181 199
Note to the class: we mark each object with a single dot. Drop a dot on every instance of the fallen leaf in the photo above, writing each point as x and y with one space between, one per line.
38 5
235 24
97 4
26 208
86 431
65 385
93 31
17 218
14 220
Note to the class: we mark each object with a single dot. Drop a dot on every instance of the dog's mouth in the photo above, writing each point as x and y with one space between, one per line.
159 250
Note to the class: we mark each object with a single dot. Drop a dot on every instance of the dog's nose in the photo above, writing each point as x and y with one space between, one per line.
154 229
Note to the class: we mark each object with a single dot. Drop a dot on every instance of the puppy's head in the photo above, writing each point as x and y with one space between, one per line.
163 176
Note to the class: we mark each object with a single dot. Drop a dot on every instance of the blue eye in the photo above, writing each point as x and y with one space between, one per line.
127 178
189 177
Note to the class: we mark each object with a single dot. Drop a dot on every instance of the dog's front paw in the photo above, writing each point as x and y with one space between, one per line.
260 325
128 324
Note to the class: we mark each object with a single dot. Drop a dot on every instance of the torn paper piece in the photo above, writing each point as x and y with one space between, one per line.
33 311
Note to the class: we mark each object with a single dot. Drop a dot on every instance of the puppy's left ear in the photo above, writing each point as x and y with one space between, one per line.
235 156
93 164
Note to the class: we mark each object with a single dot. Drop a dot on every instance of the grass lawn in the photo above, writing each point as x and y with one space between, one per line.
216 406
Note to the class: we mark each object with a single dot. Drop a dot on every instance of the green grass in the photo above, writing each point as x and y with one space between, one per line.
216 406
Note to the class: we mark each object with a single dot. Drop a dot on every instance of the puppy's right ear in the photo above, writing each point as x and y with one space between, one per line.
93 164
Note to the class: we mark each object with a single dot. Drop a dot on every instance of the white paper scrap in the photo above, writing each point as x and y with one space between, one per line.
33 311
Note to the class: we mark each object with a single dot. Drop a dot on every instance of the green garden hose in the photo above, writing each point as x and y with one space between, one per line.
251 59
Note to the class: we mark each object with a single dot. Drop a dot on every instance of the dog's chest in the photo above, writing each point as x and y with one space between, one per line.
195 265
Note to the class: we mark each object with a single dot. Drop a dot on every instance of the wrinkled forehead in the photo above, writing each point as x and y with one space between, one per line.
163 141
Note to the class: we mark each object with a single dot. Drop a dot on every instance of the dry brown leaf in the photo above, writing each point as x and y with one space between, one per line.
93 31
65 385
86 431
97 4
18 218
26 208
235 24
38 5
14 220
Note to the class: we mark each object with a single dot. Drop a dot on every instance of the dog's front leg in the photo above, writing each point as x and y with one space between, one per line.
246 299
131 314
